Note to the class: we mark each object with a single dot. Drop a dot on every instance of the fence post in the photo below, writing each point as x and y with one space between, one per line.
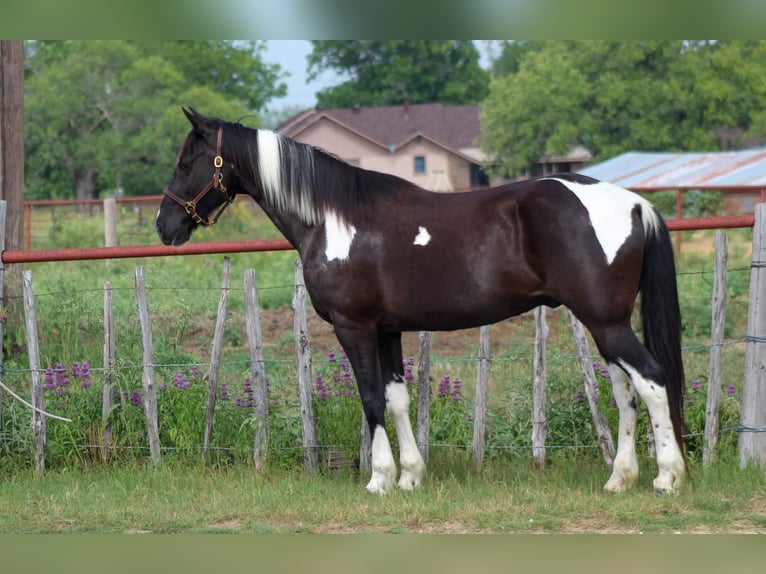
539 419
257 369
39 424
110 222
603 434
482 389
424 393
108 385
215 357
147 378
715 370
305 377
752 437
3 209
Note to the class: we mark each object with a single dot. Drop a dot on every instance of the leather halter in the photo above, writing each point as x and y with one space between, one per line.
216 183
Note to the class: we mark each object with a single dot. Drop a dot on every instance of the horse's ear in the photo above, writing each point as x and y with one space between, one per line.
198 121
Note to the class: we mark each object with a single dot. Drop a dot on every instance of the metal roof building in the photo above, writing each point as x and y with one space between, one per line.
730 170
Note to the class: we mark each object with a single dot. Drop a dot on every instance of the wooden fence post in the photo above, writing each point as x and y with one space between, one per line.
3 209
305 377
539 418
107 401
752 437
110 222
215 357
424 393
150 390
39 424
715 370
603 434
257 369
482 390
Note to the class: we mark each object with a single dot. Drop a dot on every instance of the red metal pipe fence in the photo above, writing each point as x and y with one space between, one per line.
253 245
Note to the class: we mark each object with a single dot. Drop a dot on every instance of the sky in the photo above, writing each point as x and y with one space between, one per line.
291 56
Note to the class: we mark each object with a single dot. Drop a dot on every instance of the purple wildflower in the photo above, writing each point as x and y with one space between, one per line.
331 356
223 394
181 381
444 386
731 389
50 383
457 393
579 395
696 384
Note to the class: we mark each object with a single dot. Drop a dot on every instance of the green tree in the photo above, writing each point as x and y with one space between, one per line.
388 72
106 114
611 97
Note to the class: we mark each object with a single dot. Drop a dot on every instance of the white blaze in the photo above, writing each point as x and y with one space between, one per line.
423 237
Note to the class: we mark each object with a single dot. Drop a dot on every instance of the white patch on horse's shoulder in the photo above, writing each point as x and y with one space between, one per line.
610 209
339 235
423 237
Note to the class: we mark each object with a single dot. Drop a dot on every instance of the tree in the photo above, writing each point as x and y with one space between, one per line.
389 72
106 115
611 97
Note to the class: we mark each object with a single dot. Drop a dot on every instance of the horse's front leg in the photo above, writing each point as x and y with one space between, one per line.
361 347
398 402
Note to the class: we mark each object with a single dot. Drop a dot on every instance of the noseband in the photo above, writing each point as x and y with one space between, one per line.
216 183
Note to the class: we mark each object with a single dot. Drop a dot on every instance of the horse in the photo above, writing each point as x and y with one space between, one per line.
382 256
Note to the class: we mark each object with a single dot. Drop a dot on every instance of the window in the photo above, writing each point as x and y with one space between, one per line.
420 164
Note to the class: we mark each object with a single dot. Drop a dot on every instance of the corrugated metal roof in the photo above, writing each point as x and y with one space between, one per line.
671 170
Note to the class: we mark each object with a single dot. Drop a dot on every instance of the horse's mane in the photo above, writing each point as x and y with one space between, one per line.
309 182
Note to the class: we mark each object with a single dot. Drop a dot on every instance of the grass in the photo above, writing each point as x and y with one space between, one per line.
564 498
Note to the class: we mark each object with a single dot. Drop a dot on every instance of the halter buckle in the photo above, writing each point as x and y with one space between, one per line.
218 161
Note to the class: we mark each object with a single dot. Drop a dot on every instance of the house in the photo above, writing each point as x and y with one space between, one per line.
433 145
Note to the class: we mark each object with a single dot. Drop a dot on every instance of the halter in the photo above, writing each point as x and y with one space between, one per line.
216 183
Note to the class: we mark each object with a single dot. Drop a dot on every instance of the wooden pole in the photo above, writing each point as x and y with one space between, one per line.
305 377
147 379
480 407
110 222
752 437
215 357
107 402
257 369
3 209
39 425
603 434
715 369
539 418
424 393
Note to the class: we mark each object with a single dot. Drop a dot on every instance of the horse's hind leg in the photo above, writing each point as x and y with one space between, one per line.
625 468
620 346
398 402
361 347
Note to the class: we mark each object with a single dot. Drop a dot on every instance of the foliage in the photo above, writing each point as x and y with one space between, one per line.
611 97
105 115
388 72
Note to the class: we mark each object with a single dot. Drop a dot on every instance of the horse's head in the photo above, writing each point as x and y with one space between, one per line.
199 190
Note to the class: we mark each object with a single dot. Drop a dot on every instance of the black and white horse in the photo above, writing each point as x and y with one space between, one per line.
382 256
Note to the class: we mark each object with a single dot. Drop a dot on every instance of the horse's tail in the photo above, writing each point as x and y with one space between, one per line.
661 314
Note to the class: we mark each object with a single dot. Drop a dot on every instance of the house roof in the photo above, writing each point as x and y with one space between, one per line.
713 170
456 128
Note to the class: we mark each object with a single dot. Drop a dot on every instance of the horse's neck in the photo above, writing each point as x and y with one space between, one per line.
293 229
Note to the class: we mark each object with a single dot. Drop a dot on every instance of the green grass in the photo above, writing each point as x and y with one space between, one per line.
504 497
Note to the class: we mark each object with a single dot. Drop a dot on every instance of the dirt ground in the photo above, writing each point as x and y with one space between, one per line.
277 326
